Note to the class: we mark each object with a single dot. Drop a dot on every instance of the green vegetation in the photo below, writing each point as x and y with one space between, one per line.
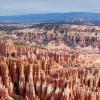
21 43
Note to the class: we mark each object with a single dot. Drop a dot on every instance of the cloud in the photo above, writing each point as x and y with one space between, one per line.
9 7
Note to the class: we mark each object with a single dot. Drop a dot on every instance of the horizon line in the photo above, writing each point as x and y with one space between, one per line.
49 13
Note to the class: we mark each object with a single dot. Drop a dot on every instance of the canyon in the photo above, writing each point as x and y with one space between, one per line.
50 62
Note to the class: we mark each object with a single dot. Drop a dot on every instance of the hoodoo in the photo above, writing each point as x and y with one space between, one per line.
51 64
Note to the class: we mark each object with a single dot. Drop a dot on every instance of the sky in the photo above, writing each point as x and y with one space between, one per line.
19 7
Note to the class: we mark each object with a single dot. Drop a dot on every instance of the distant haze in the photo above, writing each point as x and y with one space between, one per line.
19 7
65 18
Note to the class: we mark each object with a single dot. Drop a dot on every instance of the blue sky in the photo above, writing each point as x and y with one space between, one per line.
17 7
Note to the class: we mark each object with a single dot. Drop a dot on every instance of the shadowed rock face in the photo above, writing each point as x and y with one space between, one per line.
71 35
43 35
54 73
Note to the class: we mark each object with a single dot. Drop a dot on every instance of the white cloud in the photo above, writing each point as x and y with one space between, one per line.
8 7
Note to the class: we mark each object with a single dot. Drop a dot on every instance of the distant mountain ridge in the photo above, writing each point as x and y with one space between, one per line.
71 18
